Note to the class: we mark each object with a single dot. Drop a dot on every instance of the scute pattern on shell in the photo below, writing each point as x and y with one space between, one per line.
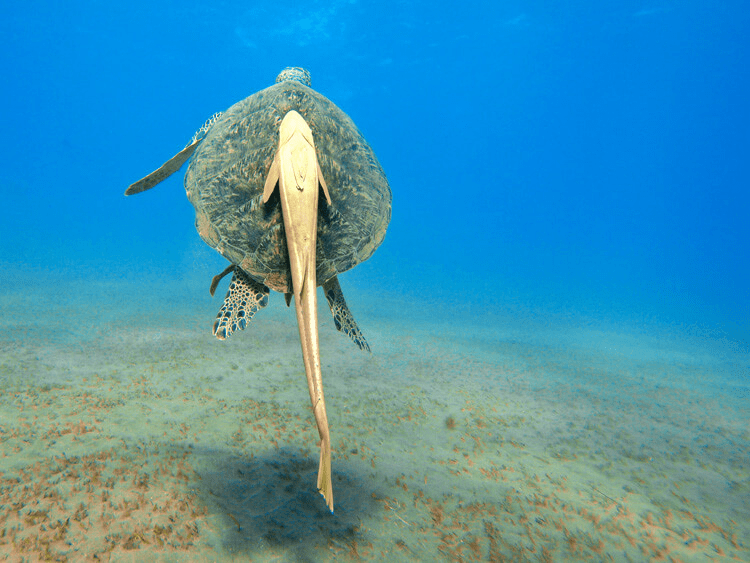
226 176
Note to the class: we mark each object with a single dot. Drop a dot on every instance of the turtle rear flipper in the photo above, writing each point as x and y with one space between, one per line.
342 316
244 298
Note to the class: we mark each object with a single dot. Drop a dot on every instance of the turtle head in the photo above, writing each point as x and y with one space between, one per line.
295 73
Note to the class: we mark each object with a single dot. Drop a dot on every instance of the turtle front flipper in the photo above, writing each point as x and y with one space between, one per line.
244 298
342 316
173 164
163 172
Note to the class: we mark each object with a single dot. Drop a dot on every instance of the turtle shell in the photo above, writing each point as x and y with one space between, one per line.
227 173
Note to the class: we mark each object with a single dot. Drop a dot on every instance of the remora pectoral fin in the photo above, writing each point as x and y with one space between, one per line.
272 179
164 171
323 184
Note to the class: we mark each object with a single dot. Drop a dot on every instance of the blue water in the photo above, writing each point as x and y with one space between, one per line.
585 162
579 154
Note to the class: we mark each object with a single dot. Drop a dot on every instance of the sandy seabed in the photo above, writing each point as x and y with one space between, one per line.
129 433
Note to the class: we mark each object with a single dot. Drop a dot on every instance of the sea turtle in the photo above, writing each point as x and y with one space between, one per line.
288 239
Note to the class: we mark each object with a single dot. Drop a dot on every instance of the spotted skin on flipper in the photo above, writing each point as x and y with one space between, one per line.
244 298
342 316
